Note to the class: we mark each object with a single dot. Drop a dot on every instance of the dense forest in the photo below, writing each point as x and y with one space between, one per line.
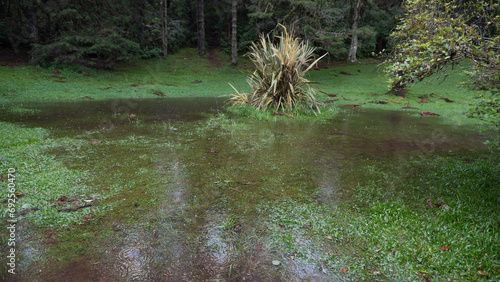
100 33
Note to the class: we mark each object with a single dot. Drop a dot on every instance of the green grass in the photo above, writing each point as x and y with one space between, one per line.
139 79
366 84
40 178
174 76
363 86
383 231
360 84
396 236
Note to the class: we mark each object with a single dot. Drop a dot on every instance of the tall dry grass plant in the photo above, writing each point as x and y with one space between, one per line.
279 78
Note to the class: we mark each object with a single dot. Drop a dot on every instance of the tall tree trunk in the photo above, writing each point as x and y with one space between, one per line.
164 28
31 15
140 17
21 15
234 39
356 7
201 28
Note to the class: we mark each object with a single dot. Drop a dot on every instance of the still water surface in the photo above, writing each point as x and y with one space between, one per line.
192 181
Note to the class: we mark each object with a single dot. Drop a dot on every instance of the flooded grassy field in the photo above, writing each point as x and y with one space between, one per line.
179 190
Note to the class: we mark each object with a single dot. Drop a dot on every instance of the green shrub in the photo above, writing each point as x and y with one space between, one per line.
100 50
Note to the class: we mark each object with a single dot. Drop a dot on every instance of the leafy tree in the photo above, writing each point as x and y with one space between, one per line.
100 33
19 23
379 21
181 26
339 27
93 33
487 108
436 35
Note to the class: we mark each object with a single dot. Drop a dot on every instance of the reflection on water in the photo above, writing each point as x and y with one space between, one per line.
201 223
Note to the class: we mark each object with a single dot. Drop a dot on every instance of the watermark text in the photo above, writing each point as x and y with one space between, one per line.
11 220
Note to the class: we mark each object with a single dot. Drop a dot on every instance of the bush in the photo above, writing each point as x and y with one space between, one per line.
100 50
279 79
487 108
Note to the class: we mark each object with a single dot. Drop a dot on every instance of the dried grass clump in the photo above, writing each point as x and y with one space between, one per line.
279 79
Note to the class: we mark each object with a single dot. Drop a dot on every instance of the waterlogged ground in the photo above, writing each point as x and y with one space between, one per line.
181 191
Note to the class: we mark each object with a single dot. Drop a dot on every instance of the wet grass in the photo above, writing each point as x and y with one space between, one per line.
363 87
383 232
186 75
180 75
247 188
41 178
396 235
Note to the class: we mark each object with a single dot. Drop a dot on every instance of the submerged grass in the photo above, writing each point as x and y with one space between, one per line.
41 178
386 232
399 237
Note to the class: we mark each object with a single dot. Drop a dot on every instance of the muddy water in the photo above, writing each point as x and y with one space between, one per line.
190 183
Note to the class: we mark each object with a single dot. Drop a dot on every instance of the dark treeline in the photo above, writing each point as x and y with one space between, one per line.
98 33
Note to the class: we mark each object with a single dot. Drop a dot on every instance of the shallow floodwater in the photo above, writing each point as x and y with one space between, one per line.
192 185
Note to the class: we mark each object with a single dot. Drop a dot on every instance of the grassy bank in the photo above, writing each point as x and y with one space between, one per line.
355 86
181 75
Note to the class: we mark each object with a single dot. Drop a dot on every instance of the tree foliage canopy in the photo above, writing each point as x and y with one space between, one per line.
435 35
100 33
